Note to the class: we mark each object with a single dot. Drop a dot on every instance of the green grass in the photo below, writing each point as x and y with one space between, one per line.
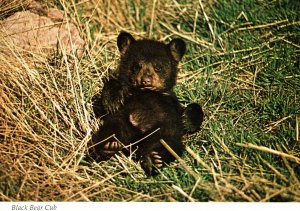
242 66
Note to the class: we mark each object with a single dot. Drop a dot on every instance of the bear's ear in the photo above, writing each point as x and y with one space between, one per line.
177 47
124 41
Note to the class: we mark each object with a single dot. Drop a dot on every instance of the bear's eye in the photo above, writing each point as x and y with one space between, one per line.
135 67
158 68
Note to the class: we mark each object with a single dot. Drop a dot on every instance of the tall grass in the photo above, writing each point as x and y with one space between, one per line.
242 65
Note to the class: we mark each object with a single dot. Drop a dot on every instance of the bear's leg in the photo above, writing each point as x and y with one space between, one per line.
103 146
151 162
111 137
192 118
153 155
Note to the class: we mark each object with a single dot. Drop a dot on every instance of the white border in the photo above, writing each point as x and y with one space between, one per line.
141 206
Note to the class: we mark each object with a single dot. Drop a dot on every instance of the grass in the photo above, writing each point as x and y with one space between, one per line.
242 65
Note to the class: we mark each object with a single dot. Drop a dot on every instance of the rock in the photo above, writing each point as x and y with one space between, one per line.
29 32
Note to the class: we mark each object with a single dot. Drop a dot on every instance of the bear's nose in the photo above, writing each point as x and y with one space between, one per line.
146 81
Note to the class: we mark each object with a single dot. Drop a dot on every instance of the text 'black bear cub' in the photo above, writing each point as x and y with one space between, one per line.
140 100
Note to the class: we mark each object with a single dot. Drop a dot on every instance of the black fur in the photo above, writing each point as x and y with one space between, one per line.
192 118
142 113
140 99
137 57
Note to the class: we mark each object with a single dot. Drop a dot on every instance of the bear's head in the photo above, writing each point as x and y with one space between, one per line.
149 64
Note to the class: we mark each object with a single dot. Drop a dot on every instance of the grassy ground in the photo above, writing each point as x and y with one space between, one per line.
242 65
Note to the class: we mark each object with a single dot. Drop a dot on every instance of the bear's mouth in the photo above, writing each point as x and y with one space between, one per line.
139 85
147 88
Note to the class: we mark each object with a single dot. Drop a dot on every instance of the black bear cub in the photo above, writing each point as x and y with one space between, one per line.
140 100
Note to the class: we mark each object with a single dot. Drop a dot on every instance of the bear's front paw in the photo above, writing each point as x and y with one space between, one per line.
113 96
